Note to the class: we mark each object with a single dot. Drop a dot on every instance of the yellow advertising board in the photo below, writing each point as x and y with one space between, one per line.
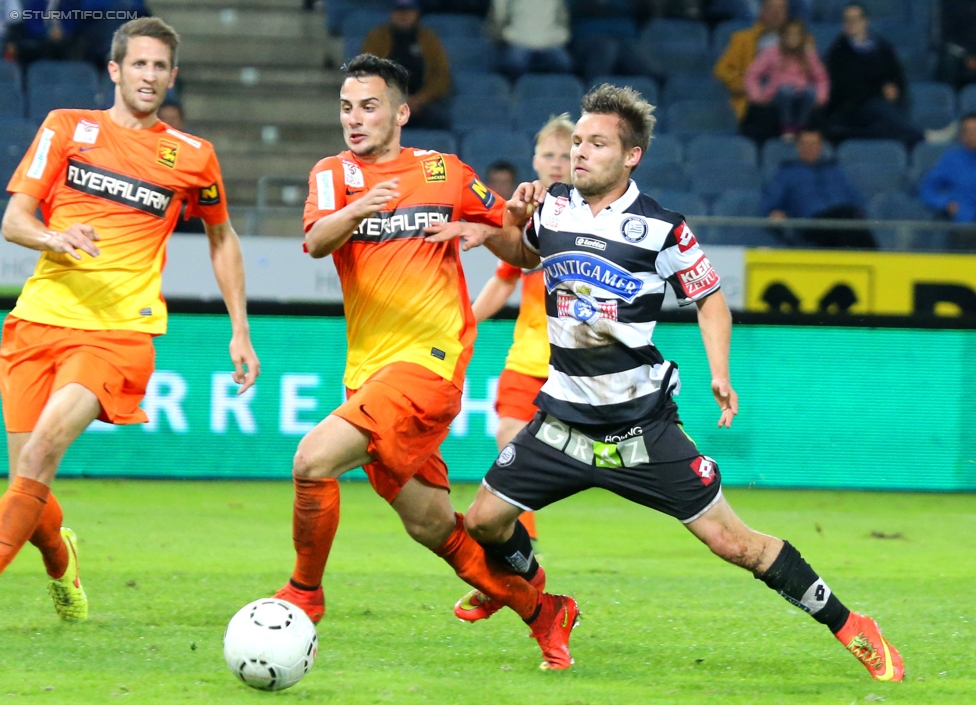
885 283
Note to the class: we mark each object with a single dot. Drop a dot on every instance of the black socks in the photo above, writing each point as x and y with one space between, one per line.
794 579
515 554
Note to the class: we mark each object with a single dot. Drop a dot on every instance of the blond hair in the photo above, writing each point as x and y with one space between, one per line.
557 126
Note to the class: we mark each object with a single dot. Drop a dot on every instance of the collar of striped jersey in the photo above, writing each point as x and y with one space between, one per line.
618 206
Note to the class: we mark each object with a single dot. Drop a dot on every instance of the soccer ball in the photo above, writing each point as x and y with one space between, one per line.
270 644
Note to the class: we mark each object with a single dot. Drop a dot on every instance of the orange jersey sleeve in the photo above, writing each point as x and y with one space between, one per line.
504 270
129 186
326 190
479 204
529 353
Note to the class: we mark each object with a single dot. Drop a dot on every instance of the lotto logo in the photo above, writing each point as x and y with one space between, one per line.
698 278
705 468
686 238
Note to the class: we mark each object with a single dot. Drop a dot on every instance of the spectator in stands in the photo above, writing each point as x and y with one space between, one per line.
958 61
950 187
744 46
93 37
502 178
816 188
9 29
787 80
534 35
421 52
868 97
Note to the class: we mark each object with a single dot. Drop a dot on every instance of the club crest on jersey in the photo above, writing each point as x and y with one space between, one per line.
633 228
166 153
353 175
585 309
560 205
684 236
210 195
582 267
86 132
483 193
507 456
435 169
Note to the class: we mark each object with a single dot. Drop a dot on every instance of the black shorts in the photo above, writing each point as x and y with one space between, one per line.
654 464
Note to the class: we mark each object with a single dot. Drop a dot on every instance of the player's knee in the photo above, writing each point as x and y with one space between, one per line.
481 527
729 546
39 457
431 531
306 465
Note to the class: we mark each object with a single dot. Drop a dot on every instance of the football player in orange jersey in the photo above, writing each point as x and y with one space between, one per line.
78 345
410 331
527 364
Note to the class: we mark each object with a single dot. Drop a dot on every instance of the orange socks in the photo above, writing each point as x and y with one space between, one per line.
528 521
47 537
314 524
467 557
21 508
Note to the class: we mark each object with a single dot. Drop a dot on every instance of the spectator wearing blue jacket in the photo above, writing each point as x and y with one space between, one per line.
816 188
950 187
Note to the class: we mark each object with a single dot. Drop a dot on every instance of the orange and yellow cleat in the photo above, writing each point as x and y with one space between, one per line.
552 628
862 637
312 602
477 605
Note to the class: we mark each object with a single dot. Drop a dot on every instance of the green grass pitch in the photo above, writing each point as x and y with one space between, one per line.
166 564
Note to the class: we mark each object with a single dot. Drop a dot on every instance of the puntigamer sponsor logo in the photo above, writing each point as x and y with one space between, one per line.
125 190
591 269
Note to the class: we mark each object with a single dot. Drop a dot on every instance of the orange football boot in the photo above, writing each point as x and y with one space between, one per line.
312 602
862 637
477 605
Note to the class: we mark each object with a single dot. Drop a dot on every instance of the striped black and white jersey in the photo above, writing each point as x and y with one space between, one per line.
605 277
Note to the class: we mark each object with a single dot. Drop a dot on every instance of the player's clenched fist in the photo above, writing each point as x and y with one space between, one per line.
73 238
527 197
377 197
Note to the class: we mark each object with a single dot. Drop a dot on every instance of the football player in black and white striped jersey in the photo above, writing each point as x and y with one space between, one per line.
607 416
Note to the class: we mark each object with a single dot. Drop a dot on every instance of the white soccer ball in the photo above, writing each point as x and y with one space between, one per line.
270 644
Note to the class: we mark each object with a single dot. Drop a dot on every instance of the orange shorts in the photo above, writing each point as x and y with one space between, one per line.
37 360
516 395
407 410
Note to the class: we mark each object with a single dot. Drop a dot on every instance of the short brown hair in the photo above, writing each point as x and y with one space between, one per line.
144 27
636 115
558 125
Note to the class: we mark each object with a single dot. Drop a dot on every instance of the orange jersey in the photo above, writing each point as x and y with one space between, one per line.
529 353
129 185
405 299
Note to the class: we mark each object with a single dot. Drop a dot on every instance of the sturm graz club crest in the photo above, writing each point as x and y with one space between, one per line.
633 228
506 456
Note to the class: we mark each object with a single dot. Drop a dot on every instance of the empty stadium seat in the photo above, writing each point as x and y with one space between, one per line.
487 86
661 175
360 22
618 27
692 117
11 101
924 157
723 148
898 206
470 112
336 11
693 86
711 179
75 73
687 204
889 153
469 53
724 31
352 45
532 113
448 24
664 148
558 86
683 57
739 203
967 99
42 99
16 135
8 165
871 178
664 31
933 104
824 34
647 87
435 140
876 9
916 62
479 148
10 74
899 33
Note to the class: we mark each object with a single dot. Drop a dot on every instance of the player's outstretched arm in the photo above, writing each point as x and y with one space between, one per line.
492 297
228 266
331 232
715 322
21 227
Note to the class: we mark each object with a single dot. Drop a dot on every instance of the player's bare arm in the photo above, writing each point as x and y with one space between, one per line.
492 297
332 231
228 266
21 227
715 322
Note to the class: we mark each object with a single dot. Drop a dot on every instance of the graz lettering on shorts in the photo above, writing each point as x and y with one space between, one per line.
591 269
401 223
119 188
629 453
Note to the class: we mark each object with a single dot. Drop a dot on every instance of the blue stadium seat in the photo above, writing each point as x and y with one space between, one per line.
740 203
924 157
8 165
532 113
487 86
898 206
469 53
916 62
11 101
876 9
899 33
336 11
933 104
665 148
889 153
435 140
479 148
661 175
711 179
731 148
691 117
724 31
687 204
664 31
10 74
618 27
824 34
967 99
16 135
921 13
871 178
448 24
352 45
683 57
548 85
470 112
647 87
79 74
693 86
42 99
360 22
